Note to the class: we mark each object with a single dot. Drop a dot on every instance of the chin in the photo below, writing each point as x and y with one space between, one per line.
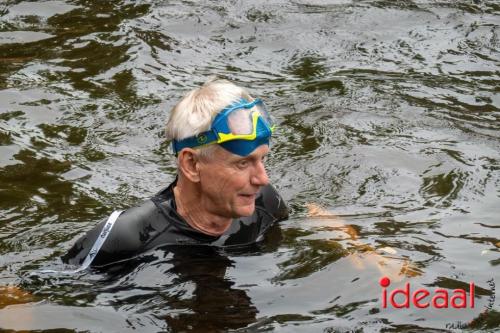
244 211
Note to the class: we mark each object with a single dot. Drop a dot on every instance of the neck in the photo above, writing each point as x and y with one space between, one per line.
196 211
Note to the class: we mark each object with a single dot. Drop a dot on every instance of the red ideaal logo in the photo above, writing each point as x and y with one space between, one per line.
439 299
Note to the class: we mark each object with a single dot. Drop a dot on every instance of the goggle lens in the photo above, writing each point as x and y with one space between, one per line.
241 122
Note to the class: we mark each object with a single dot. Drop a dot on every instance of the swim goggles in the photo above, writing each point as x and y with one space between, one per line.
239 128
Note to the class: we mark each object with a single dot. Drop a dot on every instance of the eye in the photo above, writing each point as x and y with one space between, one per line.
243 164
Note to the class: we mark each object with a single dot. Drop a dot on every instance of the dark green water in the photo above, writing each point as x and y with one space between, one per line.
389 120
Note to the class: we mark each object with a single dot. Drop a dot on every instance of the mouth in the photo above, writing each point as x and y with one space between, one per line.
248 196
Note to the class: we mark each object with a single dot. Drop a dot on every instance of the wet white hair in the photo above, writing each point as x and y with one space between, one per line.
195 111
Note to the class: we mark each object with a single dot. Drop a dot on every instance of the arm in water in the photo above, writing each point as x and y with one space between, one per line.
365 255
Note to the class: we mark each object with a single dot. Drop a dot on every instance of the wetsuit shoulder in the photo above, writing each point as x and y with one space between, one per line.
77 253
272 202
133 228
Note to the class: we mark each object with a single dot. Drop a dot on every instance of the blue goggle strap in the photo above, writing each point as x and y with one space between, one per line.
195 141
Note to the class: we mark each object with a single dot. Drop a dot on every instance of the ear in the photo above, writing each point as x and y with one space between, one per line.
189 164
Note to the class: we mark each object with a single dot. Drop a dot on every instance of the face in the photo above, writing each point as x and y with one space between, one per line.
229 182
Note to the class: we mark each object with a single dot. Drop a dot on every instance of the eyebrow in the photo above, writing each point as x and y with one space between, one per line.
255 157
250 157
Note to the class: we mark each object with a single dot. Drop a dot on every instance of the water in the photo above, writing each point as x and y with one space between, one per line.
387 153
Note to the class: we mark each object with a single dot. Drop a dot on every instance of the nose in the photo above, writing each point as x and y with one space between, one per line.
259 177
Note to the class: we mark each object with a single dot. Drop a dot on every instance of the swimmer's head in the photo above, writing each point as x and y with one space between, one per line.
219 113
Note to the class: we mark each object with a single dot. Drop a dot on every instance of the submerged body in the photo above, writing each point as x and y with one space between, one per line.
156 223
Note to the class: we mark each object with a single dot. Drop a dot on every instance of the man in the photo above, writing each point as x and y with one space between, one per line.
221 196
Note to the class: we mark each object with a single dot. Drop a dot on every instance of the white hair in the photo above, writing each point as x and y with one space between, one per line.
195 111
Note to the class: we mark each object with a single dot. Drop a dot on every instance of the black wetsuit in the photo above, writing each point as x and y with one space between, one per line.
156 223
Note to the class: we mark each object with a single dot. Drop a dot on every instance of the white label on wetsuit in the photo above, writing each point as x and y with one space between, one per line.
100 239
95 248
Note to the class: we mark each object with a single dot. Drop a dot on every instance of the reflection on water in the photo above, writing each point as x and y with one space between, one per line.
389 128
